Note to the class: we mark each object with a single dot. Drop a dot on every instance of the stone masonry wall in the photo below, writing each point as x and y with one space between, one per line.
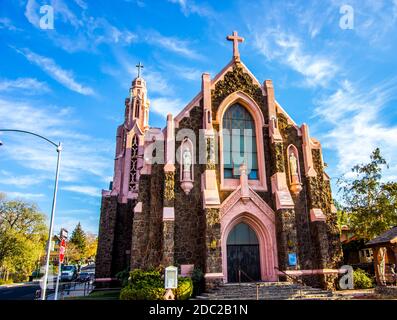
189 214
107 225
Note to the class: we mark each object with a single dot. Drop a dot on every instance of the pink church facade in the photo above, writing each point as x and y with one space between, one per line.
184 196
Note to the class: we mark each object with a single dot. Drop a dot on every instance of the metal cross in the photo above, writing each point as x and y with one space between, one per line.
139 66
236 39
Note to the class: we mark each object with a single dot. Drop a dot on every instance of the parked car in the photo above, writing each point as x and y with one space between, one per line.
84 277
68 273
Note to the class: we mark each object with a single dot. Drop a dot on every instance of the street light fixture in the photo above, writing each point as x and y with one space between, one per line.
54 201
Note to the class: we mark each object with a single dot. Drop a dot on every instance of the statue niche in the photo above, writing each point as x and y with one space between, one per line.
294 172
187 157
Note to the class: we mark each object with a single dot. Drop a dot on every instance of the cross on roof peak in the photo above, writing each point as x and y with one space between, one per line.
139 67
236 39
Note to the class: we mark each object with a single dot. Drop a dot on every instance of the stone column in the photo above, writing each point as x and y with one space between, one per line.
168 217
213 266
169 197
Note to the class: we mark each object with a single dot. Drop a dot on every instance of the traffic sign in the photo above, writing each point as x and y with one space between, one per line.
62 249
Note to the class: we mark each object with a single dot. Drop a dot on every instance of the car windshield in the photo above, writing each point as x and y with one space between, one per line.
67 268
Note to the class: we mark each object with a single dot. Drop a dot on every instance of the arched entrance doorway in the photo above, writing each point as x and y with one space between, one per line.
243 260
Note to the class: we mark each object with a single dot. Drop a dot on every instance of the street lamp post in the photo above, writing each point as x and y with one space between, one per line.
54 202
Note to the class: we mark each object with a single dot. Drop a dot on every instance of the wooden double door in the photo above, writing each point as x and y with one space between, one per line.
243 256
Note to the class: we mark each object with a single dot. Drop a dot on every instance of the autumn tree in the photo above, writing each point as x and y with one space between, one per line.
370 202
22 237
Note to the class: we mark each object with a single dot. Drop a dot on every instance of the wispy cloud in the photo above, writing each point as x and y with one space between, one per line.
355 118
26 85
83 157
173 44
288 49
165 105
87 32
24 195
9 179
6 23
191 7
86 190
64 77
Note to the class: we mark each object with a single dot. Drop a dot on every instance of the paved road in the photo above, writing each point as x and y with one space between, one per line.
19 292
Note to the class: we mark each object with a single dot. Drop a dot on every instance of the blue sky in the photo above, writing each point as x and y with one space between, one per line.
69 83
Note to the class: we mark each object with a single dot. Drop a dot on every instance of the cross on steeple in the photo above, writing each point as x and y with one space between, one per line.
236 39
139 67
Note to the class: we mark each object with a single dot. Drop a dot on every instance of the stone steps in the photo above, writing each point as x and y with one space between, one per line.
267 291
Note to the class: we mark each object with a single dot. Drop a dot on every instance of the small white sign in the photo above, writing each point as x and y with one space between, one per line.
171 277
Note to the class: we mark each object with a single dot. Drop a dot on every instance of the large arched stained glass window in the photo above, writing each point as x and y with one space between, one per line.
239 143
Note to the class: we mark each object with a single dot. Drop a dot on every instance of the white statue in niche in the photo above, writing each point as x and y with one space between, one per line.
295 186
293 163
187 164
186 181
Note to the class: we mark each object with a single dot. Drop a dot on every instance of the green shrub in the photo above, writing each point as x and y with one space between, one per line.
198 281
362 280
185 288
143 285
149 285
123 277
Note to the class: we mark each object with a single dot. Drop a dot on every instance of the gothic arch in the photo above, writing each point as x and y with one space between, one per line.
261 218
252 107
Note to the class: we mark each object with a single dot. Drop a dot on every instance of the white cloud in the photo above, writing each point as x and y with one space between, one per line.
6 23
288 49
165 105
190 7
83 156
25 85
88 32
82 4
178 46
355 118
64 77
32 10
86 190
24 195
9 179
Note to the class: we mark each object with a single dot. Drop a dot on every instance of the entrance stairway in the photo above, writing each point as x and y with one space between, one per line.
266 291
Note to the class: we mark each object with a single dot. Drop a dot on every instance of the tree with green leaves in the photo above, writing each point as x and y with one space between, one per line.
79 239
370 202
23 234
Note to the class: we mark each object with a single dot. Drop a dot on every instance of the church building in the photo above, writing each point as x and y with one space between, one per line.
232 186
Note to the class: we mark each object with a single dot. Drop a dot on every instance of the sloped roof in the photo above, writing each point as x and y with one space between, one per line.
389 236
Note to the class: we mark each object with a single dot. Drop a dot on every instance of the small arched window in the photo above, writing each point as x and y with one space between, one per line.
239 143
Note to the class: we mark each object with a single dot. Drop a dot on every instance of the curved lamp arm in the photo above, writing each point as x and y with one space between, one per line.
33 134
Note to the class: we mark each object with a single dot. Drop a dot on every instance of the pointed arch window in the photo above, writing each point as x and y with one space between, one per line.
239 143
134 165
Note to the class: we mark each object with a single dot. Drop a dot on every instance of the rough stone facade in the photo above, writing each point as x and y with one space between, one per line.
172 220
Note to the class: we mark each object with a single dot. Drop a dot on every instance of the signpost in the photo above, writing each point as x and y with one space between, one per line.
62 249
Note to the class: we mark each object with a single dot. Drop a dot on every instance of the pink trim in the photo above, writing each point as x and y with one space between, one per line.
254 110
307 152
317 215
105 279
312 272
261 218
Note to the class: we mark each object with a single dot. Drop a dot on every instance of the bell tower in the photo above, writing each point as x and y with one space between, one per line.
137 104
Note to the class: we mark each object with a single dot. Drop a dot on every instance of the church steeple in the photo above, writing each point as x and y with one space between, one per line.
137 105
